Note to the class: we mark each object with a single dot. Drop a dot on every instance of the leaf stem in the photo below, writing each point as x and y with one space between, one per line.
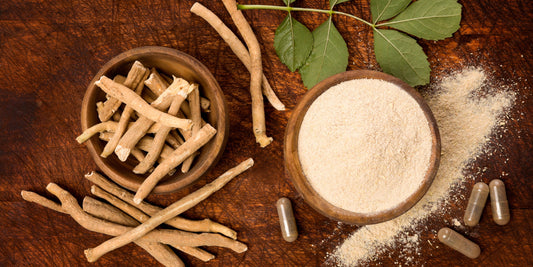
289 9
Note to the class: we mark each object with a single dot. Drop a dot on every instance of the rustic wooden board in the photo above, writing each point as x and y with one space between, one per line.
50 50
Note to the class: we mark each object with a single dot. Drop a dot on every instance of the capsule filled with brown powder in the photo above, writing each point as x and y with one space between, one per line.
498 202
458 242
286 219
476 203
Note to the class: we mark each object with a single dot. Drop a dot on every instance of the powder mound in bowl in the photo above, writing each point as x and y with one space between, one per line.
365 145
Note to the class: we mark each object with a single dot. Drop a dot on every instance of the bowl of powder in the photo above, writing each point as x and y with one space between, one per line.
362 147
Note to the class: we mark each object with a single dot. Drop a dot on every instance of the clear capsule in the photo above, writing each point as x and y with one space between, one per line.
458 242
476 203
498 202
286 219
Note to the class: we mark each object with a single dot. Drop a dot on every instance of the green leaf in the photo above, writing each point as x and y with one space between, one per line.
293 43
429 19
386 9
288 2
329 55
332 3
400 55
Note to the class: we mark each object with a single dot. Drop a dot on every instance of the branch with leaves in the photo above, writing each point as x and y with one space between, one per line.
323 52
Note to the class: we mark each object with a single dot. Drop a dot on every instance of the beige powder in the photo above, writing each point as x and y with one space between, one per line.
466 122
365 145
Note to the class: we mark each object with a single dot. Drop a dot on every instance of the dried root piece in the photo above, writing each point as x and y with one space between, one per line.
198 253
205 225
143 145
162 253
109 126
139 128
174 141
177 157
107 212
137 154
161 135
45 202
116 116
124 118
168 213
186 165
139 216
69 205
112 214
237 47
111 105
196 117
256 72
136 102
204 104
156 83
174 238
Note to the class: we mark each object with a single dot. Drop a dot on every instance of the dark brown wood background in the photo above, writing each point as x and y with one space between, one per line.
50 50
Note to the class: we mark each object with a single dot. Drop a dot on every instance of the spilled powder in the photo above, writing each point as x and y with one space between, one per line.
365 145
466 117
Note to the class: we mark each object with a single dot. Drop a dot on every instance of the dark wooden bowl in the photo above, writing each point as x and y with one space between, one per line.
292 162
171 62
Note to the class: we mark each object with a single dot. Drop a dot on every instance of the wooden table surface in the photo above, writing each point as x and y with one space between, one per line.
50 50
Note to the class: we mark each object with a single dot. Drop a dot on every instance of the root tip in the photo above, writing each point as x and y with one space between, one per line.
89 255
137 200
122 153
264 140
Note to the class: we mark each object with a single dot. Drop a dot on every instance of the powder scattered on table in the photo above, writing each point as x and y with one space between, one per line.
467 119
365 145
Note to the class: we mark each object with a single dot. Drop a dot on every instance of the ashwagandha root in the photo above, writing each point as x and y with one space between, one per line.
116 116
109 126
198 253
174 141
107 212
110 213
170 237
161 135
156 83
136 102
141 125
38 199
237 47
124 120
143 145
256 72
160 252
204 225
135 213
204 104
196 117
168 213
177 157
137 154
111 105
186 165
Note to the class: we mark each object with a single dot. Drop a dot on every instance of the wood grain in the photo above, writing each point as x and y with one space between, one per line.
52 49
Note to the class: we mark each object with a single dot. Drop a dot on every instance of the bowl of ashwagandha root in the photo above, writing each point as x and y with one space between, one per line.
154 120
362 147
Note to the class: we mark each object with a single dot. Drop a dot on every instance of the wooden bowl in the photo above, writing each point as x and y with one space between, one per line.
171 62
292 162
